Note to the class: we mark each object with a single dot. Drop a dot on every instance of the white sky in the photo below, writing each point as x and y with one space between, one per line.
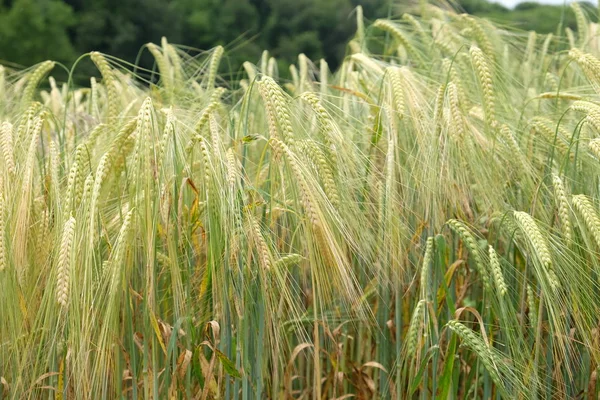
512 3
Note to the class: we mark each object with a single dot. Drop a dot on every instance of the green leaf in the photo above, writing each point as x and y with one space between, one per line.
196 366
416 381
445 382
228 365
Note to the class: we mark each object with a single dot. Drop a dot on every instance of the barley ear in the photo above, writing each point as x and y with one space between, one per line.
426 269
34 80
586 209
485 82
109 82
63 270
213 67
497 272
3 255
563 207
538 244
465 234
412 336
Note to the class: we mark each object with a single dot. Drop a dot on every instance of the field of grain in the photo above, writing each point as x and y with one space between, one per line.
422 223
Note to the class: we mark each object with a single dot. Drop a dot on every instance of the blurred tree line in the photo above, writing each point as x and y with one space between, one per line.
35 30
530 15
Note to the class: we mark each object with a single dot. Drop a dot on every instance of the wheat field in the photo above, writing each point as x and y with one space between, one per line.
422 223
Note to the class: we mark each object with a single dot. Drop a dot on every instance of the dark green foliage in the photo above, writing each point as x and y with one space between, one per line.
531 16
481 6
35 30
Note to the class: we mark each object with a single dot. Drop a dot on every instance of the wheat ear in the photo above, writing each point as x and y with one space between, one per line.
585 207
485 82
109 81
497 272
213 67
34 80
563 206
63 270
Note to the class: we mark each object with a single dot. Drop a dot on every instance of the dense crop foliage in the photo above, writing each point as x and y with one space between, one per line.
423 223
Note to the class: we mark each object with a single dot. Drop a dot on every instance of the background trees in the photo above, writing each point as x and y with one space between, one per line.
35 30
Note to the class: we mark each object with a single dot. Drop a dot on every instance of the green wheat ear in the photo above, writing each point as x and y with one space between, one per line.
496 270
469 240
63 269
108 80
538 243
3 255
485 81
563 207
34 80
586 209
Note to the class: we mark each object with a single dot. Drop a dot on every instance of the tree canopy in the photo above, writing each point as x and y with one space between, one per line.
35 30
